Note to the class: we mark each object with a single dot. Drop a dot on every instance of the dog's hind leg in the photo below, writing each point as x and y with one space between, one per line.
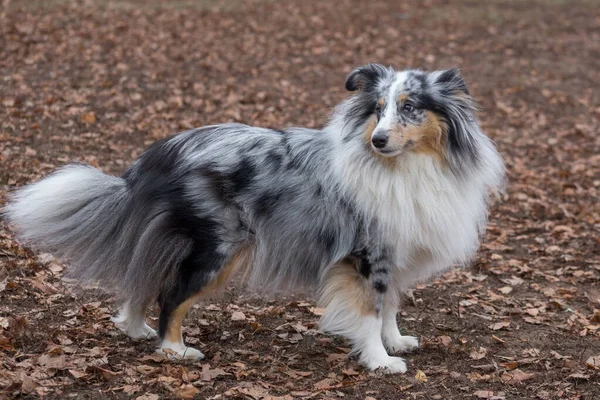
132 320
189 288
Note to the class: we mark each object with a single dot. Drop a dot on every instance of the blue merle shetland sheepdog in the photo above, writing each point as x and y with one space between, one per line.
395 188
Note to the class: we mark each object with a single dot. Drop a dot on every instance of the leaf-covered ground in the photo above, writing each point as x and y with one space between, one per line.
97 81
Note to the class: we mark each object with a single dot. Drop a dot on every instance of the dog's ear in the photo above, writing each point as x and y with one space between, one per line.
365 76
452 82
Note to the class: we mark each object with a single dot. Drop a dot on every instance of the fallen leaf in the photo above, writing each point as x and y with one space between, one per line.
186 392
505 290
579 376
77 374
209 374
478 354
324 384
499 325
238 316
88 118
147 396
593 362
445 340
515 377
421 377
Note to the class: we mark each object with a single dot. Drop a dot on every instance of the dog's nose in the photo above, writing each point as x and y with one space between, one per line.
379 140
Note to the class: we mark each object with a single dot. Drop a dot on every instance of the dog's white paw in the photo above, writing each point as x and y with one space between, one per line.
179 352
398 343
137 331
388 365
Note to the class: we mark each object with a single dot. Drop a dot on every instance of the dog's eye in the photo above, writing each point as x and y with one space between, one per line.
408 108
378 110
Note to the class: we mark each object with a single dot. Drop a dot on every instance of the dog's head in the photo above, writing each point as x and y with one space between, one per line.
413 111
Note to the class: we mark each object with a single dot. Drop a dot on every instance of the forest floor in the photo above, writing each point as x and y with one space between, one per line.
99 81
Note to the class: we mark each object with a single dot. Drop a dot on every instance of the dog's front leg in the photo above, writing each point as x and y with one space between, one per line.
393 340
353 297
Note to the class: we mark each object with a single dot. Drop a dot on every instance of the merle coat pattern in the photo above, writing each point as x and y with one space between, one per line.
393 189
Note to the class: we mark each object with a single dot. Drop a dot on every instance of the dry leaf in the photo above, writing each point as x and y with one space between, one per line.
209 374
445 340
593 362
478 354
515 377
147 396
499 325
579 376
186 392
88 118
238 316
77 374
324 384
421 377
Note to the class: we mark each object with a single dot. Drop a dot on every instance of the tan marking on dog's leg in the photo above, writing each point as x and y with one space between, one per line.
344 280
173 336
350 311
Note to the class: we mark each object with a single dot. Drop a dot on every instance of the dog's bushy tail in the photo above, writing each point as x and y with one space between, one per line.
93 222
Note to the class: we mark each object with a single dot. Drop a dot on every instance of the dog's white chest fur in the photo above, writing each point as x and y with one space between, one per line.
423 210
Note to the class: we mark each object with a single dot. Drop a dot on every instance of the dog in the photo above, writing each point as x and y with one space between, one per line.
394 189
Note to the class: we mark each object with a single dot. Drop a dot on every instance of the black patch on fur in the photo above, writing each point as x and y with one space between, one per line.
365 77
318 190
274 159
419 77
256 143
195 271
219 182
242 175
381 271
267 202
328 239
364 266
459 142
380 287
452 79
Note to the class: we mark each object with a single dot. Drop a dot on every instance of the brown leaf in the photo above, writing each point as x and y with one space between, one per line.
145 369
593 362
209 374
515 377
484 394
445 340
147 396
58 362
595 316
88 118
186 392
499 325
324 384
478 354
238 316
579 376
78 374
421 377
28 385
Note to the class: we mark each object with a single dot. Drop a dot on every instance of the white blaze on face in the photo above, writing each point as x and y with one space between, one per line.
390 113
